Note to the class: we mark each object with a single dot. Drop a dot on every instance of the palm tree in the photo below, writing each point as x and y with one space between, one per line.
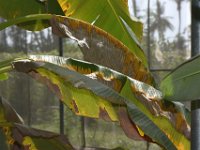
179 37
178 2
148 34
134 7
160 23
3 40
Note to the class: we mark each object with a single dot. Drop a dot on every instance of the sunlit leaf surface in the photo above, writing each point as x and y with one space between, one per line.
3 76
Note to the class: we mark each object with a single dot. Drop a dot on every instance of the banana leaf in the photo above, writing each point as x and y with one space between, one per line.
101 48
8 114
144 98
15 135
23 137
117 10
109 16
182 84
97 45
22 8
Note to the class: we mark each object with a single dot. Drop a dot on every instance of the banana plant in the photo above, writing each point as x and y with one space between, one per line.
113 83
82 87
14 134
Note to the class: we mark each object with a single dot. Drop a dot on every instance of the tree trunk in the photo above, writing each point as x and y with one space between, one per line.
134 7
178 2
179 24
3 40
148 44
148 146
160 29
179 18
148 34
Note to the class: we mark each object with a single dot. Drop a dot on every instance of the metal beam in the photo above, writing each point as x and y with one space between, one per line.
61 106
195 45
148 34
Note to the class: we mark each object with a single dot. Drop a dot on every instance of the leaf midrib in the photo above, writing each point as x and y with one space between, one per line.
117 17
188 75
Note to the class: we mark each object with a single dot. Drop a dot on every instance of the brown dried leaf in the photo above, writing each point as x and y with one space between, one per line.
129 127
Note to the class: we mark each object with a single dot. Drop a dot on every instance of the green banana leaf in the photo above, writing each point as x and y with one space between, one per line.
109 16
182 84
165 119
33 22
22 8
3 76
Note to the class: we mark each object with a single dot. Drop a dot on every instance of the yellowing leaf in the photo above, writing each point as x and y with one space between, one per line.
28 143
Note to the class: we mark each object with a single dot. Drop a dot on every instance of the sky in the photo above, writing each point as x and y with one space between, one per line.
171 11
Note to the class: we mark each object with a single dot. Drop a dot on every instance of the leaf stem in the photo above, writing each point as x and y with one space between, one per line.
24 19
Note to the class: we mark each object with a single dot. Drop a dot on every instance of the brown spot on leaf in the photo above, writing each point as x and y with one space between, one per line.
182 125
19 132
166 110
17 135
27 147
75 106
56 29
127 63
65 7
17 146
9 113
129 127
53 87
103 114
23 66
